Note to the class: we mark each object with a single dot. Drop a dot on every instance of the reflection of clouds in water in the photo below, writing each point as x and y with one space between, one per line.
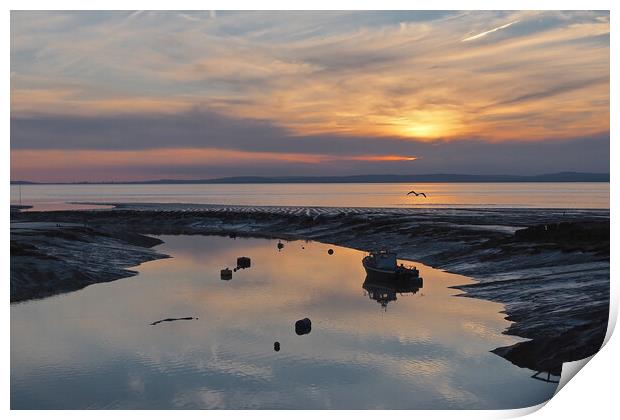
205 398
479 329
456 395
234 367
135 383
423 336
202 398
436 347
215 246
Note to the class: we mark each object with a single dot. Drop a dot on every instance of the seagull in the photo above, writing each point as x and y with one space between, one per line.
416 194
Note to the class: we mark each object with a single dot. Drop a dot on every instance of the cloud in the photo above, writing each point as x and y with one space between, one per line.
196 129
202 145
554 91
375 84
344 73
581 154
485 33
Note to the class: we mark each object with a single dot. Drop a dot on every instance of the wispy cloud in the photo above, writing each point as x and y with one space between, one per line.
349 74
490 31
386 76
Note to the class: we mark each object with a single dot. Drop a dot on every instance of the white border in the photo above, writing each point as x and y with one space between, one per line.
311 5
592 395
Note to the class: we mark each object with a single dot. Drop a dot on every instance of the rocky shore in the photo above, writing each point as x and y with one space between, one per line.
549 267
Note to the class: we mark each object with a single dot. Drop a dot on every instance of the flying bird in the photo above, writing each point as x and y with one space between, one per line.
416 194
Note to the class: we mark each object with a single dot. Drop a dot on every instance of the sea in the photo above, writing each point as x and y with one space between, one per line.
590 195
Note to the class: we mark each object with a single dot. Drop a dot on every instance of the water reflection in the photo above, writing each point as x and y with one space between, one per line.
94 348
385 292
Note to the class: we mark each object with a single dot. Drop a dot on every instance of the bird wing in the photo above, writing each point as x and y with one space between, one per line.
423 195
412 192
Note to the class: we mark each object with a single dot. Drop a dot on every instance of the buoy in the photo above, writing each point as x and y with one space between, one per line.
330 251
280 245
303 326
276 346
244 262
226 274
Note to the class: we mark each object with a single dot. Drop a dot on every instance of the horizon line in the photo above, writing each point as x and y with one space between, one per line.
564 176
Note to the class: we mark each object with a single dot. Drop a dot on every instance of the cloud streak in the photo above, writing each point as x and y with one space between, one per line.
490 31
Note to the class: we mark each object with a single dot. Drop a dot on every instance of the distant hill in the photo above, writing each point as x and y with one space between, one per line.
24 183
438 178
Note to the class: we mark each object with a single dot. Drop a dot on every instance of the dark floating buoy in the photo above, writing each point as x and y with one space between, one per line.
276 346
244 262
226 274
280 245
330 251
303 326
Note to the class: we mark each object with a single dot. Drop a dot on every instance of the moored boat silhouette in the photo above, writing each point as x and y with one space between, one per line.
383 265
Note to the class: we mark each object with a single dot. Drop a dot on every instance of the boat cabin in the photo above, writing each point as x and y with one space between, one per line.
384 260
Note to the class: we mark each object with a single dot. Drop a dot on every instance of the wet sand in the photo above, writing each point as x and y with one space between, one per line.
549 267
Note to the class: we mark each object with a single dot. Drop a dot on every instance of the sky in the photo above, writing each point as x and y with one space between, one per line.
113 96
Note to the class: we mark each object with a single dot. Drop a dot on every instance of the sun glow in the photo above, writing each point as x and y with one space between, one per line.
423 130
427 124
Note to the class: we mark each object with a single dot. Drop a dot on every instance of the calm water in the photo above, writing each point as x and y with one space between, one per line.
95 348
543 195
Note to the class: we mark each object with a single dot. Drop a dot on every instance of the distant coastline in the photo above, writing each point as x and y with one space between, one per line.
430 178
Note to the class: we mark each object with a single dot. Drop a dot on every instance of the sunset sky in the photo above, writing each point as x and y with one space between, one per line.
109 96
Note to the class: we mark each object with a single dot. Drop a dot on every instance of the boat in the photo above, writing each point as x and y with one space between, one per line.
383 265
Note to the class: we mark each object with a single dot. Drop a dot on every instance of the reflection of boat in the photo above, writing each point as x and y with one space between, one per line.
383 265
385 291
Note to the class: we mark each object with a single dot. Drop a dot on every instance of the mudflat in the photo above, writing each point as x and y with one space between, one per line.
548 267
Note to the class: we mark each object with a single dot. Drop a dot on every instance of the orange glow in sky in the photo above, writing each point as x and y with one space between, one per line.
418 77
